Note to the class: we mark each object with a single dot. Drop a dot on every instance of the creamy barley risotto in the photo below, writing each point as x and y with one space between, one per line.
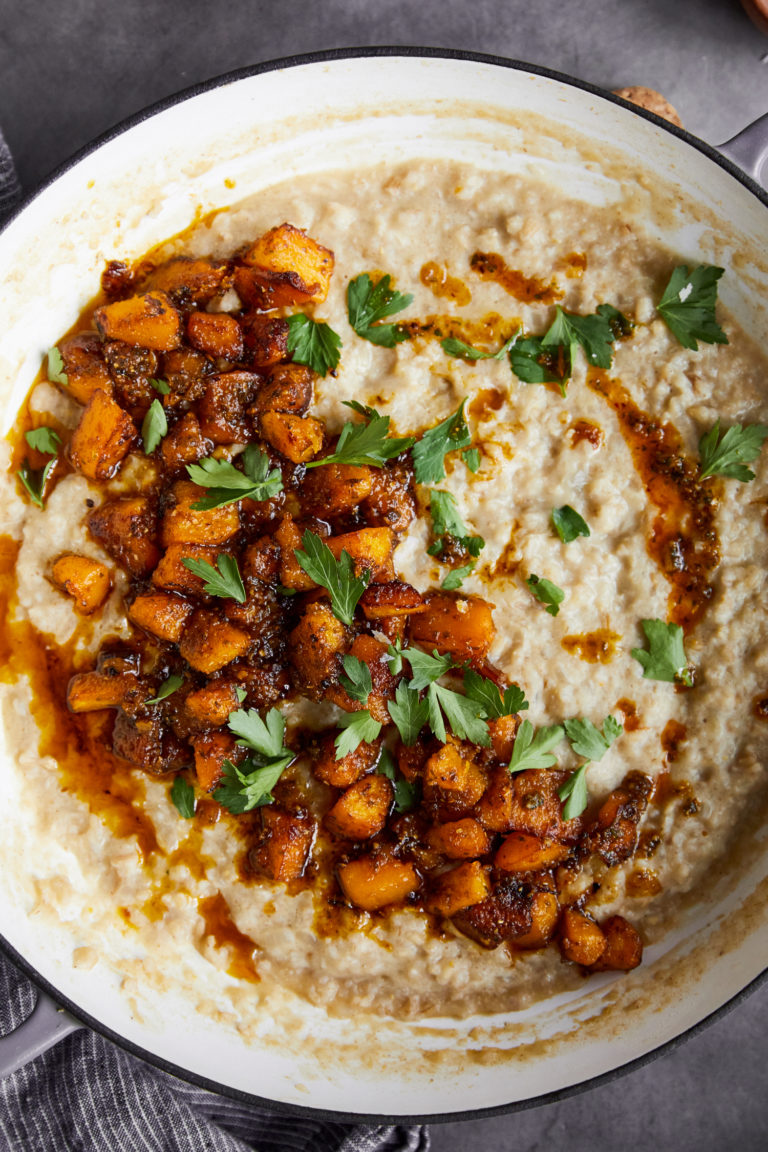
385 562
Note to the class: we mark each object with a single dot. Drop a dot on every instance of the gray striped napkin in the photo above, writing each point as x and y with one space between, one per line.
86 1095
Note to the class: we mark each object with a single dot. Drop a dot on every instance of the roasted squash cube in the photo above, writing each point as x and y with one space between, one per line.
266 337
216 333
209 707
453 779
209 642
172 574
461 626
223 405
292 575
87 581
288 389
370 550
362 810
298 438
289 267
350 768
188 279
162 614
314 645
528 802
503 915
102 439
502 731
335 489
582 941
392 502
394 598
545 912
92 691
149 320
373 882
184 524
84 365
459 839
126 527
185 443
460 888
623 947
521 852
261 560
211 750
286 844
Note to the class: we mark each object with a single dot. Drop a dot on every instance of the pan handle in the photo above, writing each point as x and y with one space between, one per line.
40 1031
749 149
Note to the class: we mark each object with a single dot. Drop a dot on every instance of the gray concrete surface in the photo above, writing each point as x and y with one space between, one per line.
70 70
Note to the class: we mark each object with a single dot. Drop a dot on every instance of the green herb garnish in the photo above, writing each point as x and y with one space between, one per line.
167 688
358 727
154 427
492 700
590 741
226 484
574 793
726 455
533 747
43 439
183 797
429 452
457 576
314 343
161 386
56 371
665 658
369 304
547 592
406 794
447 521
357 682
250 785
568 523
368 443
459 350
409 712
224 580
336 576
687 306
35 482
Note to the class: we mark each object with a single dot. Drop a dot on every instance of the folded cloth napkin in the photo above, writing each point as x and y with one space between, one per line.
86 1095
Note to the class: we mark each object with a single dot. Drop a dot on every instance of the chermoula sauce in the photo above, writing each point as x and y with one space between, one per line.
597 647
529 289
435 277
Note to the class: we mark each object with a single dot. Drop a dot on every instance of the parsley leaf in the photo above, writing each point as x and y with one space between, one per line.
183 797
429 452
462 714
395 656
726 455
574 793
447 521
56 371
167 688
361 409
265 737
457 576
313 343
226 582
459 350
406 794
665 658
533 364
368 443
472 459
35 482
569 524
590 741
426 669
240 791
226 484
336 576
154 427
357 682
368 305
687 306
488 695
43 439
358 727
547 592
409 712
593 333
161 386
533 748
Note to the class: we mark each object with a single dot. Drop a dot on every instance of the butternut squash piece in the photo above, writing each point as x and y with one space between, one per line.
623 947
216 333
459 839
210 706
211 750
335 489
394 598
502 916
502 732
452 778
545 911
188 279
352 767
87 581
292 575
460 626
528 802
314 645
521 852
460 888
162 614
92 691
288 389
183 524
222 408
582 941
126 527
210 642
286 845
171 573
298 438
185 443
266 337
373 882
84 365
370 549
362 810
102 439
149 320
289 267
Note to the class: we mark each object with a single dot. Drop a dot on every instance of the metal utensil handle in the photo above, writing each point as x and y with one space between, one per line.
749 149
40 1031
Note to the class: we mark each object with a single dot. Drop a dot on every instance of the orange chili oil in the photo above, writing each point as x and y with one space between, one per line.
682 539
760 707
631 717
598 647
528 289
585 430
435 277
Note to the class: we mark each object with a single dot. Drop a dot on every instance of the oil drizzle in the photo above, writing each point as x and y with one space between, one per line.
528 289
598 647
220 925
683 538
440 284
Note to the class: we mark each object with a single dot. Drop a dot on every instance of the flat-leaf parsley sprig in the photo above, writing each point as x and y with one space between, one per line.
368 304
430 451
225 484
687 306
727 454
249 785
314 343
665 658
368 443
224 580
336 576
591 742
